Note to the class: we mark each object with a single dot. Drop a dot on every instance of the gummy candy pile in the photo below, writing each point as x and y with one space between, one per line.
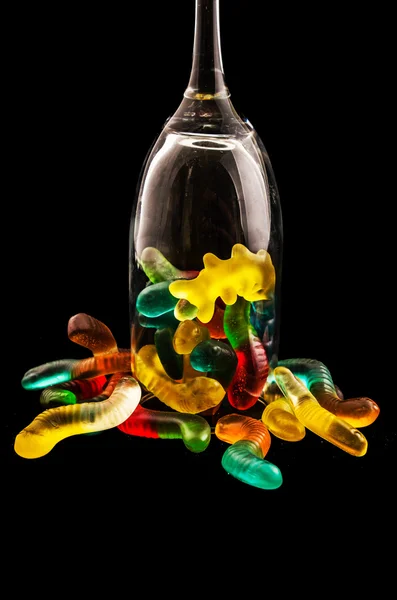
213 336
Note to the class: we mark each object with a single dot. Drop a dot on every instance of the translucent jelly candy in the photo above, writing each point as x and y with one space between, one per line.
215 325
71 392
155 300
91 403
249 275
253 367
280 419
188 335
157 268
165 320
59 371
194 396
97 337
192 429
318 419
244 459
58 395
359 412
279 416
184 310
56 424
215 358
92 334
108 391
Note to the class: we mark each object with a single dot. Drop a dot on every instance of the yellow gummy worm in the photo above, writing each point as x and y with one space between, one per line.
280 419
92 334
193 397
56 424
318 419
246 274
279 416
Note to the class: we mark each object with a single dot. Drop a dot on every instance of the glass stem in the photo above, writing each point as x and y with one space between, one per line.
207 78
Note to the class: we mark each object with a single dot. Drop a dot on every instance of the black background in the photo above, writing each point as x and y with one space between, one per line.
89 91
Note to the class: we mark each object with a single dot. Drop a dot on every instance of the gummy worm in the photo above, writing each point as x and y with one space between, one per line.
97 337
253 367
72 392
56 424
215 325
155 300
192 429
358 412
165 320
280 419
194 396
279 416
92 334
244 459
246 274
157 268
58 371
319 420
216 358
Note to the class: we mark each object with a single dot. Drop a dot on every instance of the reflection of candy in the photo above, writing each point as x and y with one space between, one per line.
245 274
244 459
192 397
192 429
155 300
253 367
165 320
184 310
58 371
171 361
71 392
217 358
215 325
280 419
358 412
318 419
92 334
157 268
56 424
188 335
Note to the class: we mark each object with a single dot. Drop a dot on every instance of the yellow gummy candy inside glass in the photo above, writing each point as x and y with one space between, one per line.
245 274
193 396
